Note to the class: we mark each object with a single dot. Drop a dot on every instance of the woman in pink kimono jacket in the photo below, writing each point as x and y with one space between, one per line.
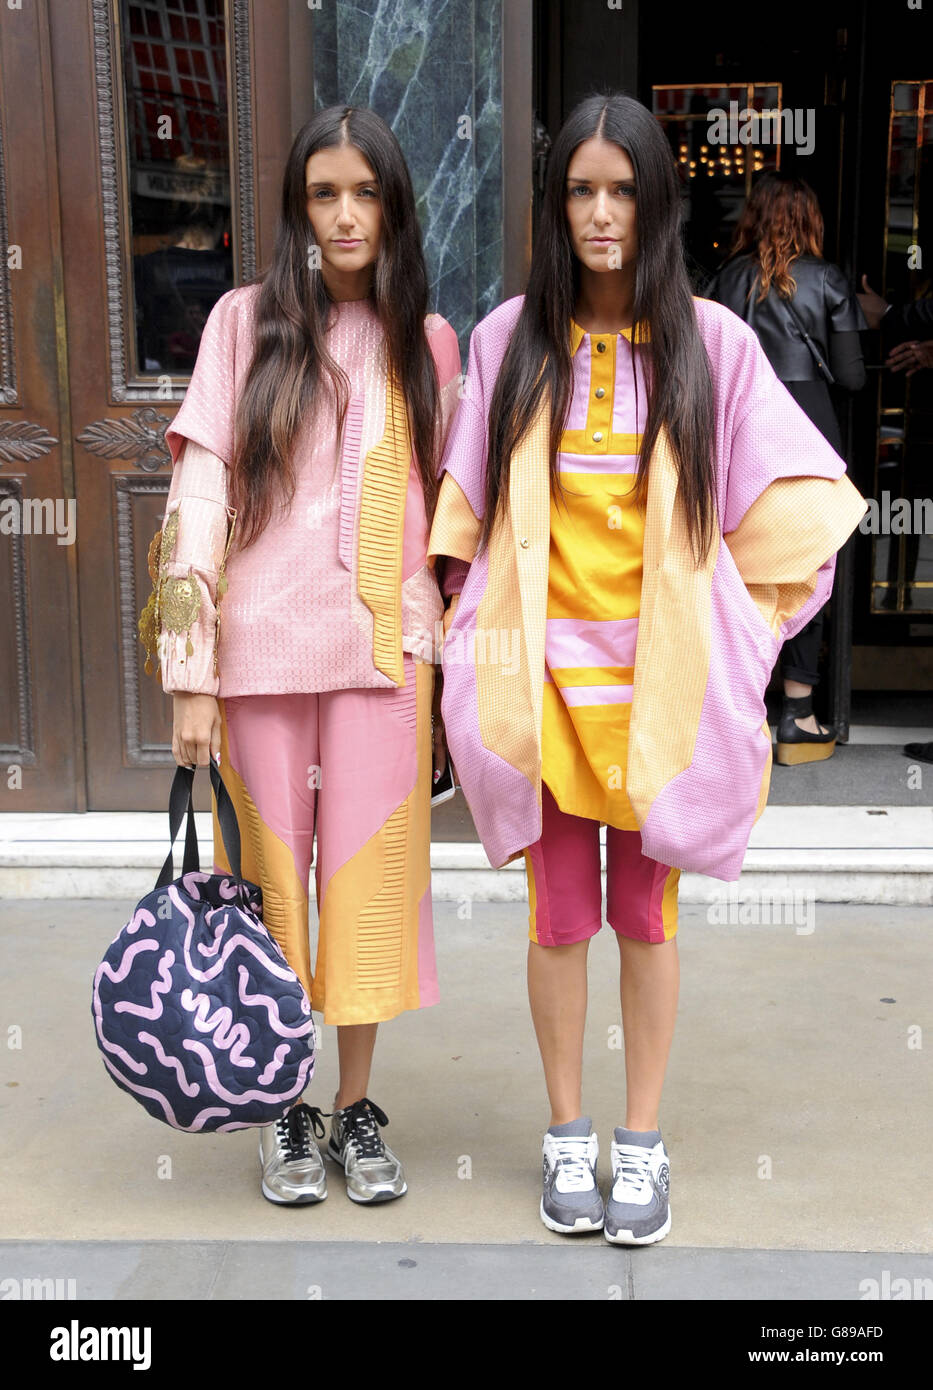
634 515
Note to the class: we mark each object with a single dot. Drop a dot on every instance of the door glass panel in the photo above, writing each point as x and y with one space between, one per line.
905 96
177 168
902 548
886 551
717 178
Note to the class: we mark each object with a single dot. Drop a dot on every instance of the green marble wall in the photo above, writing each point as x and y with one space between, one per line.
423 65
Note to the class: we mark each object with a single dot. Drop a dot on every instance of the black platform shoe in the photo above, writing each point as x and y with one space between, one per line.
796 745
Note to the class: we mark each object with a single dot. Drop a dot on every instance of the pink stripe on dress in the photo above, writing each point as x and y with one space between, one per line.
594 694
624 464
579 642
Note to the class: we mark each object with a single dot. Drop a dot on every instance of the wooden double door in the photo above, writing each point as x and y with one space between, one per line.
141 147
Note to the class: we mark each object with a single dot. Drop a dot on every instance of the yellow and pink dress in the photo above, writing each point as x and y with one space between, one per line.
594 587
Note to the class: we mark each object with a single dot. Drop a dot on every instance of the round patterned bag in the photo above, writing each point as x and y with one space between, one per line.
197 1013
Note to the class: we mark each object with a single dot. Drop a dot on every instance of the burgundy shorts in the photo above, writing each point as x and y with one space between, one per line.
565 888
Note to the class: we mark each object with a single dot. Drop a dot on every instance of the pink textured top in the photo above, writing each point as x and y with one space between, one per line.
292 618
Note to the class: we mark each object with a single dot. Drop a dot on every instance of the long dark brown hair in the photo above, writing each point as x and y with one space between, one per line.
290 362
781 220
680 391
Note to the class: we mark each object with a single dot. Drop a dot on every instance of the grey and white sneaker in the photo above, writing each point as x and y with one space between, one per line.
570 1201
292 1167
374 1174
639 1208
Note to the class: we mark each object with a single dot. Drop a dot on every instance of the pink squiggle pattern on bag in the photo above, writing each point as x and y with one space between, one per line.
210 918
142 917
281 1052
200 1118
116 975
190 882
234 1037
226 888
218 930
211 948
210 1071
275 1021
155 994
284 972
118 1051
123 968
190 1088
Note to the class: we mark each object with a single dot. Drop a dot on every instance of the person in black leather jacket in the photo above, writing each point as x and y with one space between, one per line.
776 271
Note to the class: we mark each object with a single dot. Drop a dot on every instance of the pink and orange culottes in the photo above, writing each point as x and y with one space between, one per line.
565 888
351 769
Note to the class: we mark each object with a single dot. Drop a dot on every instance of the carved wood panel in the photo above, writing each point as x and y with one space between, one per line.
82 412
39 730
17 731
120 405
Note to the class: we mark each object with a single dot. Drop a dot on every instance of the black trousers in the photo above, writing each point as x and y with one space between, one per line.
800 656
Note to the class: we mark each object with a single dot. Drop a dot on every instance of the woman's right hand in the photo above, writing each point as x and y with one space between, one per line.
196 732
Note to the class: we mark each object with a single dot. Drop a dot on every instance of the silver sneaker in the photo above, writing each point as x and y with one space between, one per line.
374 1174
292 1167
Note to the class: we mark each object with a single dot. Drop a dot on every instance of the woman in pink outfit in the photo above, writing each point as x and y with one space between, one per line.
293 609
635 514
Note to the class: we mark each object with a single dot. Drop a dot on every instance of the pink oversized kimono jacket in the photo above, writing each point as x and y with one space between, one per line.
699 752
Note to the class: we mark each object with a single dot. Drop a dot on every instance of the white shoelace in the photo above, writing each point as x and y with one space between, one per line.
573 1160
634 1170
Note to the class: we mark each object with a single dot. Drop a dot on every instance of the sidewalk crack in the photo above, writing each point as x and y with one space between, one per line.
219 1270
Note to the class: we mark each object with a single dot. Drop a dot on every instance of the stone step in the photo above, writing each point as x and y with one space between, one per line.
857 854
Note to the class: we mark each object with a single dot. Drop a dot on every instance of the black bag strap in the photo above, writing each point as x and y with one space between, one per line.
815 352
181 802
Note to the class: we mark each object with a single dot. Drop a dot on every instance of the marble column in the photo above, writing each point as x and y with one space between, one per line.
424 66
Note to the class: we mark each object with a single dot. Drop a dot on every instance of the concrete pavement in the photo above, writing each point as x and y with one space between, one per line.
312 1270
796 1114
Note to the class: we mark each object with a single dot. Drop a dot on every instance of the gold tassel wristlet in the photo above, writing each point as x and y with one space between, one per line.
175 602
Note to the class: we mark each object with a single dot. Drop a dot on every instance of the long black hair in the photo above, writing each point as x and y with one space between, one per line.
680 392
290 363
